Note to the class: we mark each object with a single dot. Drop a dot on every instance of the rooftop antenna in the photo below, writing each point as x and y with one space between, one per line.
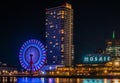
113 35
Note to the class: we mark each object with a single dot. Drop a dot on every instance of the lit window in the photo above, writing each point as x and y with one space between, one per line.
54 12
50 42
56 44
51 26
54 16
51 13
53 56
58 17
62 62
58 13
62 12
56 26
62 31
53 45
53 61
46 35
46 19
54 36
62 50
50 51
62 56
62 38
62 16
62 47
68 6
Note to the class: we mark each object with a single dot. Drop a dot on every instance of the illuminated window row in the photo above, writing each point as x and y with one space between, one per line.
62 47
55 43
51 26
56 12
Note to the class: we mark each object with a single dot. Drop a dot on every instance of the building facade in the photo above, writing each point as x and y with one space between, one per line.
113 48
59 35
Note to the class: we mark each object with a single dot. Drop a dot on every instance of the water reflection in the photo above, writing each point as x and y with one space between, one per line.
8 79
47 80
116 81
55 80
93 81
30 80
100 81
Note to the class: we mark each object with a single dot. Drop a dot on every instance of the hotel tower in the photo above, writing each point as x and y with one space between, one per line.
59 35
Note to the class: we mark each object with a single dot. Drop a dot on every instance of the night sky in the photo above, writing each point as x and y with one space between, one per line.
20 21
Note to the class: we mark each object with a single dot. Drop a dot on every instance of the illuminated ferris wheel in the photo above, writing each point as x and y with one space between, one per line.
32 55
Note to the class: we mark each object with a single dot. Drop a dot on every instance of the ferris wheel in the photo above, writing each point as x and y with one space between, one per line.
32 55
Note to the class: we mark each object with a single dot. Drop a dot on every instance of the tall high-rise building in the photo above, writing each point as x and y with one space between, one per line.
59 35
113 47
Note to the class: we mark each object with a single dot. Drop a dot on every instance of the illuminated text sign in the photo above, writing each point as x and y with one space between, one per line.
96 59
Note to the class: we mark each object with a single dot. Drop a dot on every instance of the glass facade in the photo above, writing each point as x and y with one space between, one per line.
59 35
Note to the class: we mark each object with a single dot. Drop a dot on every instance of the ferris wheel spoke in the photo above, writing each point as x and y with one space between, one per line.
36 49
